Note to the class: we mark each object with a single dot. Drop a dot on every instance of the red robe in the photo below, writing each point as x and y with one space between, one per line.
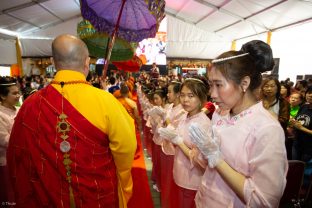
36 163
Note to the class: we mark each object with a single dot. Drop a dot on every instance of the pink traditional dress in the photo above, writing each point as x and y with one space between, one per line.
7 116
146 105
168 187
252 143
185 174
156 122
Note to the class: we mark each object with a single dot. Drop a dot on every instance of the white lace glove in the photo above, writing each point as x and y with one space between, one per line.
152 112
175 120
170 134
160 111
208 142
157 111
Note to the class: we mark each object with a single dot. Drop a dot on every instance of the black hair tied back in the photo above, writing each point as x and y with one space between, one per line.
261 54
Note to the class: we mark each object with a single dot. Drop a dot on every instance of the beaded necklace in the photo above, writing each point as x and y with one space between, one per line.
70 82
63 127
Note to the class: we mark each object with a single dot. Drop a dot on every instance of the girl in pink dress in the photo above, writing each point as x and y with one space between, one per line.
186 175
247 163
174 114
9 97
156 118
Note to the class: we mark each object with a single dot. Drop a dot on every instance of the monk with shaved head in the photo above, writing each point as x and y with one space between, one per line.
72 145
70 52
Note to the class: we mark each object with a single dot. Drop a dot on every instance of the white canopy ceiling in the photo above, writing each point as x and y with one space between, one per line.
236 19
196 28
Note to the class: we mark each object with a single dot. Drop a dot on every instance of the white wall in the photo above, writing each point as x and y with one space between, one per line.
293 46
5 71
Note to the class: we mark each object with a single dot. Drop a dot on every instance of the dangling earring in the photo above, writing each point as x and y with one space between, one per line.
244 90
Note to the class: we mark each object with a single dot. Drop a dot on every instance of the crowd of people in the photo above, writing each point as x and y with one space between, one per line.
239 156
220 140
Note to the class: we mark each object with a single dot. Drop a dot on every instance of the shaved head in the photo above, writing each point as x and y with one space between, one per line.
69 52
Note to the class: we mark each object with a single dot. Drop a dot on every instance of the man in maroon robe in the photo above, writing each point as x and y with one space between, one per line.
72 145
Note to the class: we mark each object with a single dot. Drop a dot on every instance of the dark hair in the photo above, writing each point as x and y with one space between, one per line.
145 89
304 83
112 80
287 87
150 95
278 85
309 89
161 93
198 87
96 84
5 84
176 86
124 90
258 60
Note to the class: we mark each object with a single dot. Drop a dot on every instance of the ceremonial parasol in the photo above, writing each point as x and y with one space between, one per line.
132 65
97 43
135 21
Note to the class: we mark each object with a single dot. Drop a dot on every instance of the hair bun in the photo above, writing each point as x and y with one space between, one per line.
261 53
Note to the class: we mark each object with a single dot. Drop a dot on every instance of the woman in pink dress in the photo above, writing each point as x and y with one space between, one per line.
247 163
186 174
9 97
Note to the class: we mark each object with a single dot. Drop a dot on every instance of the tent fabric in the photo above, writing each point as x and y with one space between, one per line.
187 40
7 51
196 28
38 43
36 47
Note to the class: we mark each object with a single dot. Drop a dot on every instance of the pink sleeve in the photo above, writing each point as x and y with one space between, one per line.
268 168
4 133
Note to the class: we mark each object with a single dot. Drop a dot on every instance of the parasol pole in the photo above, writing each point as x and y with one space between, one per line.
112 41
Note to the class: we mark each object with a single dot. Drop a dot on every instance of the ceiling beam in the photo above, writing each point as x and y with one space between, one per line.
252 15
222 28
178 11
21 6
180 18
49 11
220 9
31 31
292 24
204 17
265 9
213 11
9 11
22 20
279 28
